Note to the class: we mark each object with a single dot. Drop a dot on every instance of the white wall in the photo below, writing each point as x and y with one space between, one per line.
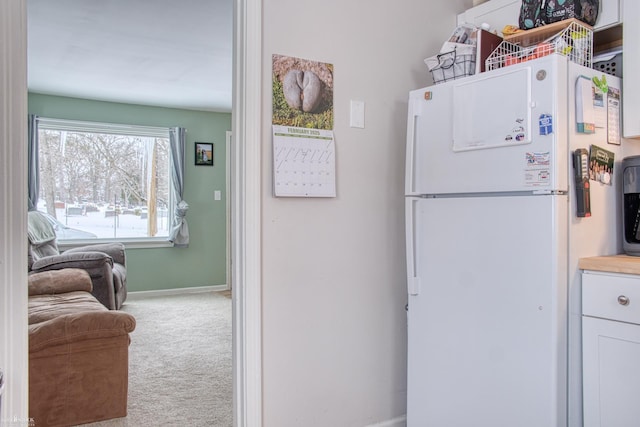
333 280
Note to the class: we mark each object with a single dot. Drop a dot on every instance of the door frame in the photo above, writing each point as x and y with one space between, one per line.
14 350
246 217
229 161
246 223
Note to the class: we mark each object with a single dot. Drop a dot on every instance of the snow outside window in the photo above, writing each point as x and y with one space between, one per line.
100 181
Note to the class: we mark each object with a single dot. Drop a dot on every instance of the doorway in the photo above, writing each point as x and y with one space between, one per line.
92 46
245 211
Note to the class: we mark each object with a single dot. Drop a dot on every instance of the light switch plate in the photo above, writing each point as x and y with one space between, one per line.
357 114
217 195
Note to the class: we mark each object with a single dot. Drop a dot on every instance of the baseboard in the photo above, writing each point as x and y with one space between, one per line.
175 291
396 422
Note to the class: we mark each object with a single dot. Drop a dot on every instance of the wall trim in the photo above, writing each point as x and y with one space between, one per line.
246 214
227 189
138 295
14 351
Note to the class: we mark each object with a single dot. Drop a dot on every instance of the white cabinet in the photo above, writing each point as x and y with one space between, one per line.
611 349
499 13
609 15
496 13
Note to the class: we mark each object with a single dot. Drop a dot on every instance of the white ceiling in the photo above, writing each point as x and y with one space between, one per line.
169 53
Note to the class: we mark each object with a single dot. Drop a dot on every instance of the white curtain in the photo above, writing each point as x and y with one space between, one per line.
179 234
33 166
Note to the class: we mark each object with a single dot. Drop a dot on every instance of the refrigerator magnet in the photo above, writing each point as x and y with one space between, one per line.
546 124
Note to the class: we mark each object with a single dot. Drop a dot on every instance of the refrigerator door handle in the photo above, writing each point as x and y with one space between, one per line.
413 282
414 112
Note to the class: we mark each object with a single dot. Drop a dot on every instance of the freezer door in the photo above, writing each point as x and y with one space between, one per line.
492 132
487 311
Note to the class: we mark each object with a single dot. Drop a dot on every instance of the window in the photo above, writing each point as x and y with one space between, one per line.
104 181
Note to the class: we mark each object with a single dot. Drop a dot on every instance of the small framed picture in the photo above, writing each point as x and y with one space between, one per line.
204 154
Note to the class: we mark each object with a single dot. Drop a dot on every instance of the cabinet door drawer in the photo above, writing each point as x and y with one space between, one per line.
609 14
611 381
615 297
496 13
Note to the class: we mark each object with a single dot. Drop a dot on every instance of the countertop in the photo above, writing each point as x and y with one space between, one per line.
612 264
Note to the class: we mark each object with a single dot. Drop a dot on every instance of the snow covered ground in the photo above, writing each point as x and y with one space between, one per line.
110 226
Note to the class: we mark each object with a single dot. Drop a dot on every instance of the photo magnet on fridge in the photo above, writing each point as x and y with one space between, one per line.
601 165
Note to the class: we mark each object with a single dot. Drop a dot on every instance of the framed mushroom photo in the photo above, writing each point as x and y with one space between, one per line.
204 154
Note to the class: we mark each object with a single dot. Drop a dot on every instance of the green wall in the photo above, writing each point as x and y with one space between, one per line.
203 263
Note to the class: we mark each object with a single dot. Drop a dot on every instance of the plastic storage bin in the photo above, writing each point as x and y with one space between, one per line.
612 66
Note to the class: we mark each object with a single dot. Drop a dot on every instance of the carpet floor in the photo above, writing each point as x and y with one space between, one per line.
179 362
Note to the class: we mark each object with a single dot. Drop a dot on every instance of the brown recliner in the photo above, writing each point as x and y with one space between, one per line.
106 263
78 352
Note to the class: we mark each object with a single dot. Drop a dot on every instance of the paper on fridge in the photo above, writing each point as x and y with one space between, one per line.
585 110
304 162
613 116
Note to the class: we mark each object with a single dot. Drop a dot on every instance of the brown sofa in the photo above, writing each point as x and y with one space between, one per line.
78 352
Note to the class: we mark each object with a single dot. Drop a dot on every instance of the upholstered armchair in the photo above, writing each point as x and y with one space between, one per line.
105 263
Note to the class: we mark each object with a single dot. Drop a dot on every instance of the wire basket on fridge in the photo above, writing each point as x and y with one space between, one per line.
571 38
451 65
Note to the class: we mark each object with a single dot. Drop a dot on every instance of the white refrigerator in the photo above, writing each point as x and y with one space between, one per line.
493 242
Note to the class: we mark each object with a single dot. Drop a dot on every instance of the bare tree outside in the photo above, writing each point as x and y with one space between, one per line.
105 176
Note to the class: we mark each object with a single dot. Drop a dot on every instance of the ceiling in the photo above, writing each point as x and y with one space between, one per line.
166 53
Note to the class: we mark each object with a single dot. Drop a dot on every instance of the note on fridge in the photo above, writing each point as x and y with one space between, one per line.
585 111
613 116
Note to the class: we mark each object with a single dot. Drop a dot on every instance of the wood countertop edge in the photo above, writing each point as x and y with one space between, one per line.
612 264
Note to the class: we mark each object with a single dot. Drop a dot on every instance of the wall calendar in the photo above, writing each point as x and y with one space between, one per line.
304 162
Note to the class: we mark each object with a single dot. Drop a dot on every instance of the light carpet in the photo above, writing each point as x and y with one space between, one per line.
179 362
